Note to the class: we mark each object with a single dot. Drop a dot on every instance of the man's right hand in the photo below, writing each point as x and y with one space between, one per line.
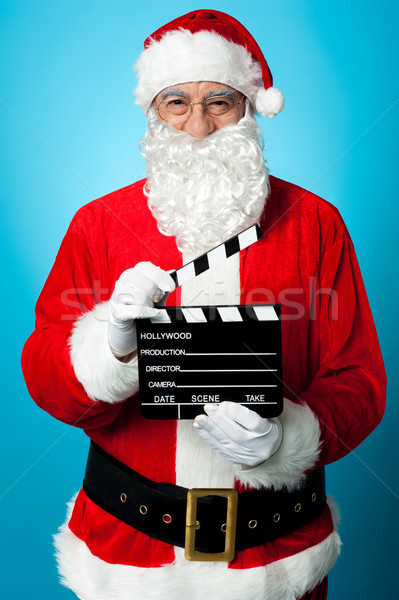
134 296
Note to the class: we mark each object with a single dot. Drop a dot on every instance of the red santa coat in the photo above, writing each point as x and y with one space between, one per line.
334 384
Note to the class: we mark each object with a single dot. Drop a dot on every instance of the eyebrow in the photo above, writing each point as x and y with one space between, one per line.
224 93
173 92
213 94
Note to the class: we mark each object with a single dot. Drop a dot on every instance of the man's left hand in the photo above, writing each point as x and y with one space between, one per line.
238 433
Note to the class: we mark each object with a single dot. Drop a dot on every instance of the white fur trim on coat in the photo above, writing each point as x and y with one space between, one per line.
103 376
182 57
217 286
287 579
298 451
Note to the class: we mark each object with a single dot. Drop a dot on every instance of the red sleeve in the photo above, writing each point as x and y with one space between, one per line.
348 392
72 288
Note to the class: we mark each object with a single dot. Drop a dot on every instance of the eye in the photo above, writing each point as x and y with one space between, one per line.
218 103
219 106
175 106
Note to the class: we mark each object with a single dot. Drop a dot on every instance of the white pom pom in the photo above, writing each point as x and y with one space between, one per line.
269 102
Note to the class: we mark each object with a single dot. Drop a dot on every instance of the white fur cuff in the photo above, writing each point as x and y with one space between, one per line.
102 375
298 451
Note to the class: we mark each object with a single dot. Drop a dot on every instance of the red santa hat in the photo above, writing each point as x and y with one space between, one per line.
206 45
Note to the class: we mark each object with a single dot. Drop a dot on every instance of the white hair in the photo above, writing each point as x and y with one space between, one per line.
203 191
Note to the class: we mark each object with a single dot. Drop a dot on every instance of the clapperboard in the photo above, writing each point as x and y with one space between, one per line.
190 356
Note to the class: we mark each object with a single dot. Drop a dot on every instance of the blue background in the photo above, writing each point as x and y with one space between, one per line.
70 133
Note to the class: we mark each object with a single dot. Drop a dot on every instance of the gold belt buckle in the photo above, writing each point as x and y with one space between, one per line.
192 525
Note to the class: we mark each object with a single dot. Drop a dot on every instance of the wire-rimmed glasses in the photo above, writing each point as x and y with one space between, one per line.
179 108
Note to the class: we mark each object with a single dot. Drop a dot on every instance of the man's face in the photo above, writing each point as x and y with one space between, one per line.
206 102
206 181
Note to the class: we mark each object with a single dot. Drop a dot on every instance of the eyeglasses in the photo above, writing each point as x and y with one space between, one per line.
178 109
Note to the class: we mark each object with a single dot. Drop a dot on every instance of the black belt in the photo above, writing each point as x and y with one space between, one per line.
159 509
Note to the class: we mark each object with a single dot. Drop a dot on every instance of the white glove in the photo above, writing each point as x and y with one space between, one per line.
238 433
134 296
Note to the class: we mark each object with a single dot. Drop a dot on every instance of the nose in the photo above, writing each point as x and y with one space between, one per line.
199 124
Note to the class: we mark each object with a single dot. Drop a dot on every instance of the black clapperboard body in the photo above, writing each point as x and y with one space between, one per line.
190 356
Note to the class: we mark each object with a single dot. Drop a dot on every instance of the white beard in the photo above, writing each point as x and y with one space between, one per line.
203 191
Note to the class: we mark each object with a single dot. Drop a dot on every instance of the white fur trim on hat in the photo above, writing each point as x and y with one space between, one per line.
103 376
182 57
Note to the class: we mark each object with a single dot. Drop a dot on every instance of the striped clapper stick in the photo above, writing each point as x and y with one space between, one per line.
216 255
189 356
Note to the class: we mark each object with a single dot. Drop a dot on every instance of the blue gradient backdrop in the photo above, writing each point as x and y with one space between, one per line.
70 132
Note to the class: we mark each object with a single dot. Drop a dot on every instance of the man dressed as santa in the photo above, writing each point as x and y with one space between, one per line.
201 79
